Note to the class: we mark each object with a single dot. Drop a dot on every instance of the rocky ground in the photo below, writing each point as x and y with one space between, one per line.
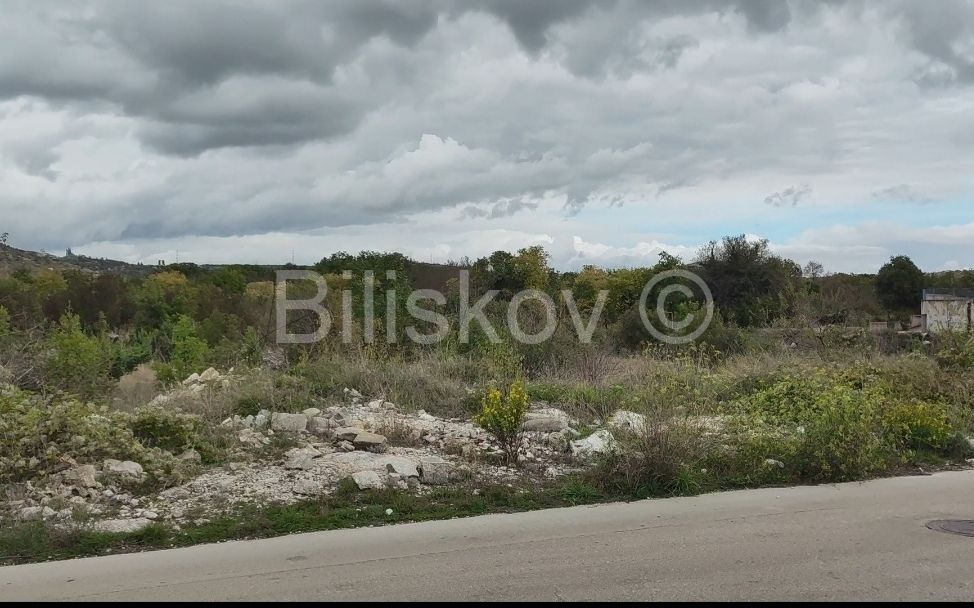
283 458
370 442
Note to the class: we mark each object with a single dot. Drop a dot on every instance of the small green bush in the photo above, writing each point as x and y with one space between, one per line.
166 429
39 434
128 354
835 420
247 406
841 437
751 455
918 426
189 352
663 457
502 416
579 492
956 351
76 363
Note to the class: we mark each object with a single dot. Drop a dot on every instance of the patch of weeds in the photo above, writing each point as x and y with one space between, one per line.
279 444
398 433
578 492
347 507
247 406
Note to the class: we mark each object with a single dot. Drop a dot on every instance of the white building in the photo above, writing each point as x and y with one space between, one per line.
948 309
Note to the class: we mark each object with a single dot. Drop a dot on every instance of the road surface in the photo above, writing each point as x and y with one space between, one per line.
845 542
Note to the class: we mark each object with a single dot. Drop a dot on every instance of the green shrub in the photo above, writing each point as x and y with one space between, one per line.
166 429
39 434
76 363
842 438
664 457
189 352
752 453
918 426
502 416
839 428
4 321
956 351
247 406
127 355
579 492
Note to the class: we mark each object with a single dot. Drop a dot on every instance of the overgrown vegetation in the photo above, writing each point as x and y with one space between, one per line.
347 508
784 387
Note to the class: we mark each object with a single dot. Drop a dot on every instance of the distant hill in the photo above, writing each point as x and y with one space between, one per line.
423 275
12 259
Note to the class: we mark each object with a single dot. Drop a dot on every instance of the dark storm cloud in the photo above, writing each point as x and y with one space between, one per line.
498 210
148 58
530 20
140 119
944 32
789 197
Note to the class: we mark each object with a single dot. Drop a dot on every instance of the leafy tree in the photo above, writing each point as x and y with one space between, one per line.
78 363
751 286
189 352
231 281
813 270
899 284
531 269
163 296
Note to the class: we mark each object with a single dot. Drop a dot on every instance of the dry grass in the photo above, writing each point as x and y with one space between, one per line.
397 432
664 456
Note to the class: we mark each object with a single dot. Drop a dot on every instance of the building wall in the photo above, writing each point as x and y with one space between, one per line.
947 315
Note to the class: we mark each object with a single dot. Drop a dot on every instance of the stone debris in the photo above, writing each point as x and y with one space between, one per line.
252 438
368 480
626 420
81 476
334 442
37 513
210 375
544 425
307 487
124 468
319 425
289 423
122 525
301 458
191 455
372 442
435 471
599 442
403 467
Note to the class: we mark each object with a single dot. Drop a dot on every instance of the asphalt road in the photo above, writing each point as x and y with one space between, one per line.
848 542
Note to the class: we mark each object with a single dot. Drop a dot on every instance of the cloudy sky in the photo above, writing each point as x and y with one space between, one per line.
606 131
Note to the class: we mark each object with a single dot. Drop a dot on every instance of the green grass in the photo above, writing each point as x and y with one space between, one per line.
346 508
